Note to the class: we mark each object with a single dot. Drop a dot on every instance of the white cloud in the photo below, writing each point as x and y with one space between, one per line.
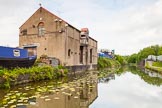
124 26
133 27
13 14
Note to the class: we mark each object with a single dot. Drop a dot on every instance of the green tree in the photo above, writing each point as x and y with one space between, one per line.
145 53
120 59
132 58
160 50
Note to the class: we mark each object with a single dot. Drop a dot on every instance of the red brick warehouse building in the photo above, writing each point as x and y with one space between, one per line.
47 34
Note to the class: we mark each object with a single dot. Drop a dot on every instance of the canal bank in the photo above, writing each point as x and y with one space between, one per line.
16 76
12 77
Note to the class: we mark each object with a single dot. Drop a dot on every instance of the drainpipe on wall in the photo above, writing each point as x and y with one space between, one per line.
66 43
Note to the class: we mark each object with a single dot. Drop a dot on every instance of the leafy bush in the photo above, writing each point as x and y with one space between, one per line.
36 73
107 63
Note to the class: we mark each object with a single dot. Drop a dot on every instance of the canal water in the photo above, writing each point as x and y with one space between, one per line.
130 88
125 88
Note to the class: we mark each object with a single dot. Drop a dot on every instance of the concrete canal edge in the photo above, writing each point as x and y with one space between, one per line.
76 69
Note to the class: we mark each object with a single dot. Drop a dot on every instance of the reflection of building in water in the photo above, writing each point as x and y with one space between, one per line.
88 94
152 73
80 95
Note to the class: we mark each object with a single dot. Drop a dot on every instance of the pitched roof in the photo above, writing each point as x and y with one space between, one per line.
55 16
51 14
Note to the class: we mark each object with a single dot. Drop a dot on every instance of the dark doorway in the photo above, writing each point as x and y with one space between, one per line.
86 57
81 54
90 55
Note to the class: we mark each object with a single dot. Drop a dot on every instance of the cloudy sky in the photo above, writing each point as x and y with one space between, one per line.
124 25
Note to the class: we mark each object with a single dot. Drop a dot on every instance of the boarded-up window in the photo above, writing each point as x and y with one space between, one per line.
41 29
24 32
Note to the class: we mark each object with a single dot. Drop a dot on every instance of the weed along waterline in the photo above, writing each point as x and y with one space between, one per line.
12 77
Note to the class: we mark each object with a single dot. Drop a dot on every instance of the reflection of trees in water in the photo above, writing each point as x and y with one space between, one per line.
146 76
106 75
122 70
107 78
